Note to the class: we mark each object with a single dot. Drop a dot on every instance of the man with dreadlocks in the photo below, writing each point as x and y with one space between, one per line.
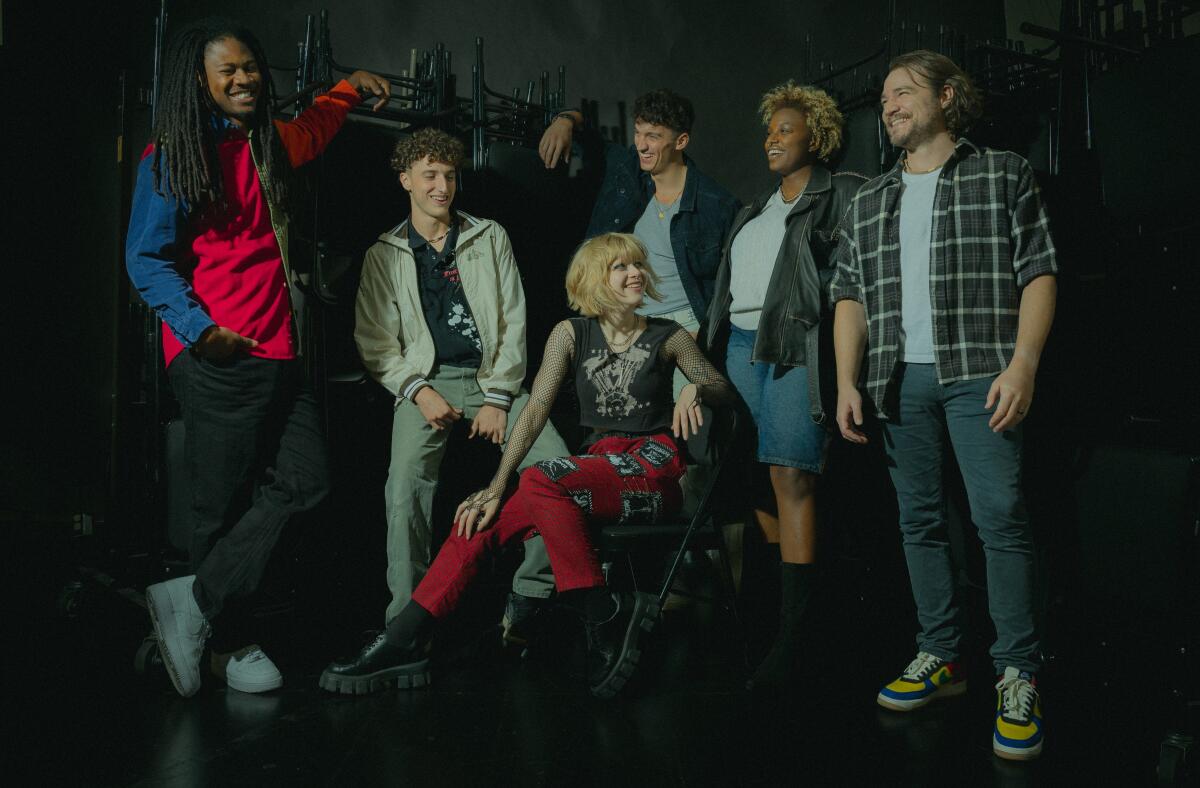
207 249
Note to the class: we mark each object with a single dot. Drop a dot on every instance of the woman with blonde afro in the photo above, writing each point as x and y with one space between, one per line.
765 322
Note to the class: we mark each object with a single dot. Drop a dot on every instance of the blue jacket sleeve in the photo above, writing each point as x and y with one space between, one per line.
615 159
153 247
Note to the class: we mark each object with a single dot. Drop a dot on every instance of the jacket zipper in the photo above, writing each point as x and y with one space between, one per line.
281 240
425 320
791 286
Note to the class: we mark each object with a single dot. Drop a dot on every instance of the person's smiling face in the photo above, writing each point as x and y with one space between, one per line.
789 143
912 112
628 281
431 185
234 81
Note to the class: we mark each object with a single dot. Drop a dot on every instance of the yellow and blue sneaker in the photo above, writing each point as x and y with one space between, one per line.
1018 734
926 679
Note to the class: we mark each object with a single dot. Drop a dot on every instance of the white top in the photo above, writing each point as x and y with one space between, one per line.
654 231
916 231
752 261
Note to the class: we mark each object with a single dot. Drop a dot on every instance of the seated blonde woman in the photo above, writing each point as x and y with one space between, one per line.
622 364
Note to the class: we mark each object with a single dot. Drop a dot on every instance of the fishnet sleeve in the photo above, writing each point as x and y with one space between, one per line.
711 386
556 365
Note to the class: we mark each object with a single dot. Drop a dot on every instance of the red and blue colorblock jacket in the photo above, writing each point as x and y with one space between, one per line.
202 268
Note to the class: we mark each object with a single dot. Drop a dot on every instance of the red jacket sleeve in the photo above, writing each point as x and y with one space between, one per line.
305 137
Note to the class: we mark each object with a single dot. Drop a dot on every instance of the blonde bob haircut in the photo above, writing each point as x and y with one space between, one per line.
820 111
588 291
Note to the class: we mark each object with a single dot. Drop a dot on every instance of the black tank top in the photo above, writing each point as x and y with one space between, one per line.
628 391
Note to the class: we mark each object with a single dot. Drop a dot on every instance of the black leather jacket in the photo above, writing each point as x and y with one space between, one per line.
797 298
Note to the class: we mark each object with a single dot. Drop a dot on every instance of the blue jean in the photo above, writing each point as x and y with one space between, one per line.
991 469
777 396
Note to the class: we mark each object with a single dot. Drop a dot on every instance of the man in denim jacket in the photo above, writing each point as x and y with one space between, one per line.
654 190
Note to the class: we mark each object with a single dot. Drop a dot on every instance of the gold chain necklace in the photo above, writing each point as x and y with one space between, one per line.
621 347
787 200
922 172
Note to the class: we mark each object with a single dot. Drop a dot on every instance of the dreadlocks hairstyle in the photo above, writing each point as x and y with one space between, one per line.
184 131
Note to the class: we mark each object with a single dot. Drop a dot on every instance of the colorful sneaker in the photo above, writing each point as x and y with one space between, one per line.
926 679
1018 735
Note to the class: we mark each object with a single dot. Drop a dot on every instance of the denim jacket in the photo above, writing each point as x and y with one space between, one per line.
706 211
797 299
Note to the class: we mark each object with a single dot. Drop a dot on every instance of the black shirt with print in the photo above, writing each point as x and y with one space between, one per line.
630 391
455 337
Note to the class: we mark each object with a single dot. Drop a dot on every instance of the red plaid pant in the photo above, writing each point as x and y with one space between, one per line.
620 479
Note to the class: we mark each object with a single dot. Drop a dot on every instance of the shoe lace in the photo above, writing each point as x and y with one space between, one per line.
591 630
1016 696
594 629
922 666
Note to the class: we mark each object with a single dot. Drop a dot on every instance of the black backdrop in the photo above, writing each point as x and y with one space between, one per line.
63 181
1128 277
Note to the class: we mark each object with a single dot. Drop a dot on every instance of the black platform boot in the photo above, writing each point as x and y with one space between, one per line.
614 623
395 658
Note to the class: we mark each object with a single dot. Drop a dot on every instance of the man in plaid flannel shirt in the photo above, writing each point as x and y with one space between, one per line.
946 278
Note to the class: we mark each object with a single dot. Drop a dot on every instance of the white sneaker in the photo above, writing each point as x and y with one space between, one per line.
251 670
181 630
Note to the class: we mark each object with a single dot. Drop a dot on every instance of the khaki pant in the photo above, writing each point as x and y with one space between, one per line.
417 451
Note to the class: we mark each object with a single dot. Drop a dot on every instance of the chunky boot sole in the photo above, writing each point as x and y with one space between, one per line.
646 612
410 676
162 612
944 691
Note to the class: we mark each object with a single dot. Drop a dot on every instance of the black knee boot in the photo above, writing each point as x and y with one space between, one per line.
758 599
797 581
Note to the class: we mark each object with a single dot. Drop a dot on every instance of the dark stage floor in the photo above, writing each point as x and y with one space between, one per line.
84 716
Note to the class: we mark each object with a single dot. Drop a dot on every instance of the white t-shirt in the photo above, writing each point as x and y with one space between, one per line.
655 233
752 261
916 232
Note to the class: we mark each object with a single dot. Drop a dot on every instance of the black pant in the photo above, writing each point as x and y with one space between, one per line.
256 456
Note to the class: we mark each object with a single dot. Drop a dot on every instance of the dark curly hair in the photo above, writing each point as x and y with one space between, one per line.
820 112
665 108
434 143
938 71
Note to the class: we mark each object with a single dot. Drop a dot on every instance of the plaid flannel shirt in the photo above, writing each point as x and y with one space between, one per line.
990 238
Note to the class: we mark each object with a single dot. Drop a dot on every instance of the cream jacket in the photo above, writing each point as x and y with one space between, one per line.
390 330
